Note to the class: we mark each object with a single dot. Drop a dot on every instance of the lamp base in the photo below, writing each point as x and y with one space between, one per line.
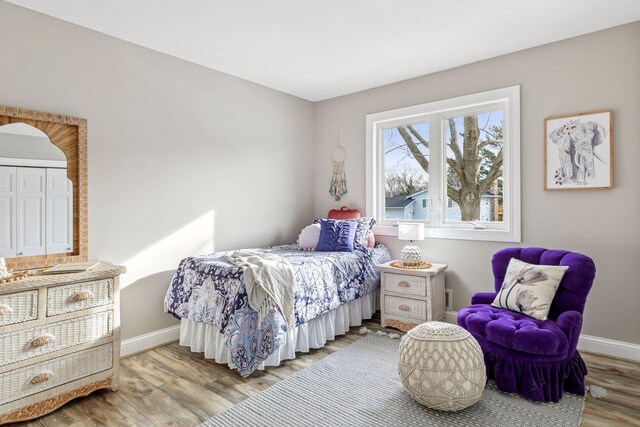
411 256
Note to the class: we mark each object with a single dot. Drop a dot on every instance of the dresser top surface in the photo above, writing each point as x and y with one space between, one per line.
101 271
434 269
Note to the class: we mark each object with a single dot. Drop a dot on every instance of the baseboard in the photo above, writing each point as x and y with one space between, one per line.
451 316
622 349
625 350
589 343
148 341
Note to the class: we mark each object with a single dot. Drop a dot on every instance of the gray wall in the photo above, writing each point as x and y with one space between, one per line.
182 159
597 71
185 160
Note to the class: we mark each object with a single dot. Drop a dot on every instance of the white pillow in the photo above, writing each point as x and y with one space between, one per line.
529 288
309 237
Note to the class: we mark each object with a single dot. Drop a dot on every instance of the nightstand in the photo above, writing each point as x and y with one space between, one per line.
410 297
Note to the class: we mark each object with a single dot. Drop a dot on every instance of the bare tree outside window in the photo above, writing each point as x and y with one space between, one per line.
474 165
406 179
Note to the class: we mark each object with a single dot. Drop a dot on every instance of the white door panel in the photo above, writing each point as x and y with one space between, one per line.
7 212
31 211
59 224
7 179
32 180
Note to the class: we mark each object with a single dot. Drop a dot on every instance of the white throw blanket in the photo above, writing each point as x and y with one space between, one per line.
269 281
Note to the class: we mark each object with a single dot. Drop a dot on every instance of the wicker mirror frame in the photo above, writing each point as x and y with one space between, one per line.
70 135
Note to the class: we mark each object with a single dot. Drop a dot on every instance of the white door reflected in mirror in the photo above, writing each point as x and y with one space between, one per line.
36 197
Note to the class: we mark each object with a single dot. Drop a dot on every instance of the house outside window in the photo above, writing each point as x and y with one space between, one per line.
451 164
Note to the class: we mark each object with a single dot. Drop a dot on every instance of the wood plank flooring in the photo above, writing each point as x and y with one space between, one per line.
170 386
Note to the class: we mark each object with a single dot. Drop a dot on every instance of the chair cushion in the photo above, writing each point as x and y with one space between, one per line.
514 331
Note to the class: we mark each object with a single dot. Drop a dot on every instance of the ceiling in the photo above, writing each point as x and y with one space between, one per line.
327 48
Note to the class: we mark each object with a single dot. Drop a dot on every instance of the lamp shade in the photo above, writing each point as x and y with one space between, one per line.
411 231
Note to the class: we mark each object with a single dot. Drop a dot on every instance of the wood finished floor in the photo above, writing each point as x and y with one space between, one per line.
170 386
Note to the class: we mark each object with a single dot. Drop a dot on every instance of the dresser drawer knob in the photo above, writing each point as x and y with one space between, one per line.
81 296
41 377
404 307
43 340
5 309
403 284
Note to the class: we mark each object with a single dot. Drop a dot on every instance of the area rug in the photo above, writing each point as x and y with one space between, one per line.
359 386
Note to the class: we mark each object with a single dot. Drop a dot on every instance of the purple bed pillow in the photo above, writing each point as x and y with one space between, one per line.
336 235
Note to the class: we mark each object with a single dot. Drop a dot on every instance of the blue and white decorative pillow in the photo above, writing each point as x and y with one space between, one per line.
336 236
364 226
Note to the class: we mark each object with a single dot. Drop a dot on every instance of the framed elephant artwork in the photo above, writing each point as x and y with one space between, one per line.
578 151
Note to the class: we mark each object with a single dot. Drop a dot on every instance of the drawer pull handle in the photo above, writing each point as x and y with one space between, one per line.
81 296
403 284
404 307
5 309
43 340
41 377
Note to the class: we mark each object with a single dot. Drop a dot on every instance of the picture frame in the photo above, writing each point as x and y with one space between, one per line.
578 151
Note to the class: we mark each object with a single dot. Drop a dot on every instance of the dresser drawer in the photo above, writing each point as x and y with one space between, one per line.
33 379
18 307
78 296
409 308
28 343
405 284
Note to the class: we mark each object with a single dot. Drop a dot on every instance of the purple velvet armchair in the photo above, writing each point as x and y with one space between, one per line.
534 358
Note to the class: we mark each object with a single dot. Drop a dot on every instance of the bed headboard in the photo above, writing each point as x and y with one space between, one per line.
344 213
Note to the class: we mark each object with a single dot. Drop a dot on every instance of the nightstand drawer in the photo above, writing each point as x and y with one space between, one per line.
405 284
408 308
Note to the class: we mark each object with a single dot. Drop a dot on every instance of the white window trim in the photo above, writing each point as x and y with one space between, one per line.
435 226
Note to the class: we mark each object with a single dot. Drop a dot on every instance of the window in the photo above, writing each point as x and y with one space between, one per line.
451 164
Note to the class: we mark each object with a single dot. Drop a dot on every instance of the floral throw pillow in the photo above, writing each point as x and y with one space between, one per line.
529 288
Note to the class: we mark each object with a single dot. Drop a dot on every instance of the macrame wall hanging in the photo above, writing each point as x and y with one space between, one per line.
338 186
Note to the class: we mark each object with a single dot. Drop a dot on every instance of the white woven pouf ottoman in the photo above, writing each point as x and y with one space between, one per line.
441 366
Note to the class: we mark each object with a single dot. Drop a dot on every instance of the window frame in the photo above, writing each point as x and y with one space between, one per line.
509 230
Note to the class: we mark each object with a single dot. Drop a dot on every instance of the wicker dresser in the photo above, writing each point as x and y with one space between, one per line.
411 297
59 339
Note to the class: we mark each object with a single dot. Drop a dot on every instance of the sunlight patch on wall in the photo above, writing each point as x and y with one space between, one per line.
194 238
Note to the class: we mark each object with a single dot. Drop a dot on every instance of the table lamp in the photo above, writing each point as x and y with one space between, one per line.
411 256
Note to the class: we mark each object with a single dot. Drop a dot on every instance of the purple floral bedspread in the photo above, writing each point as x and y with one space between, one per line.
210 290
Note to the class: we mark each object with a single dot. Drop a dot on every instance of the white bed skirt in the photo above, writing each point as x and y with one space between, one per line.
201 337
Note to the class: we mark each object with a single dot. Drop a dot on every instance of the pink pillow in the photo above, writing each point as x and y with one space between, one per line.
371 242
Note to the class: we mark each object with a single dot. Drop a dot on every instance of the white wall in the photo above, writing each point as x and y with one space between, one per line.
596 71
182 159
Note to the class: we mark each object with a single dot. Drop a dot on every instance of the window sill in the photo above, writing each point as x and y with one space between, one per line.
488 235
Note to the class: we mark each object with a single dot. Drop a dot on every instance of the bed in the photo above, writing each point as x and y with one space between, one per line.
333 291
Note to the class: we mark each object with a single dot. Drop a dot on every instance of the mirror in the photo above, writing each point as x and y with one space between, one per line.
43 188
36 197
